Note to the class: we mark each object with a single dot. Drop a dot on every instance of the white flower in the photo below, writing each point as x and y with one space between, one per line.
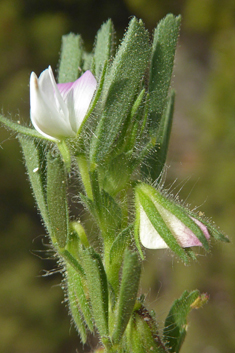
57 110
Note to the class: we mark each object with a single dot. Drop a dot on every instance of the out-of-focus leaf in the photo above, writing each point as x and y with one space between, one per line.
71 58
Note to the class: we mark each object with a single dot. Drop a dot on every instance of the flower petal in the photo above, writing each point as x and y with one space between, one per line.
64 88
44 109
185 237
202 227
83 91
61 106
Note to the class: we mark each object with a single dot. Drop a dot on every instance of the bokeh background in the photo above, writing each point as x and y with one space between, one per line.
201 158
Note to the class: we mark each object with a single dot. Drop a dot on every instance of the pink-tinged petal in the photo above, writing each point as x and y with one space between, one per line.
202 227
83 91
64 88
43 111
185 237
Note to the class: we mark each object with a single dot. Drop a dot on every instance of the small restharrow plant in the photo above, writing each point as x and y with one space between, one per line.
108 120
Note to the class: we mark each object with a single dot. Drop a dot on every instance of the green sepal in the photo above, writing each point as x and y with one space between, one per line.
35 153
23 130
70 58
162 62
104 46
176 210
191 254
136 228
75 284
97 288
128 292
120 89
57 199
155 161
145 200
215 233
176 322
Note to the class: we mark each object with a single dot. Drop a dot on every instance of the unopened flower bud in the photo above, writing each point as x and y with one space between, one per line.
163 224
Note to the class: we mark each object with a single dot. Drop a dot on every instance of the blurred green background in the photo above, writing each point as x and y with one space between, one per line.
201 157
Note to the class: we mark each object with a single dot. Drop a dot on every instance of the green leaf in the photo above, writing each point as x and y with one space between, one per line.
112 180
57 199
120 90
75 312
104 208
24 130
129 136
104 46
162 62
70 259
71 58
88 203
98 289
176 322
83 166
75 285
88 62
111 215
155 161
128 292
95 187
35 159
119 245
